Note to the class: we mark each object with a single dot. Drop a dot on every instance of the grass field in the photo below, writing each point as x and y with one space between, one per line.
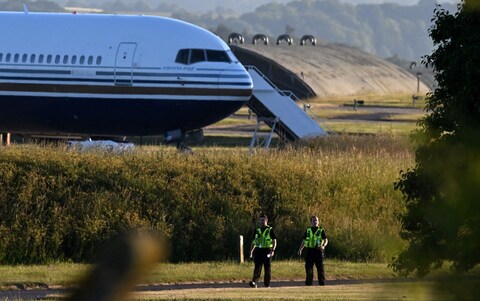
228 280
393 100
386 114
66 274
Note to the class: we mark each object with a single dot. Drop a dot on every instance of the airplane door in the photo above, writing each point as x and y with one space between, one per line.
124 63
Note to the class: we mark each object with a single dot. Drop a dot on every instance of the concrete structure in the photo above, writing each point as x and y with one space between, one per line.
327 70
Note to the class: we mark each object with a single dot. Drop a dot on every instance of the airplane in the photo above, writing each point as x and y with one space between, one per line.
70 74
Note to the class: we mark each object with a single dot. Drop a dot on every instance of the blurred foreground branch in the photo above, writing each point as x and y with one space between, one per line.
121 266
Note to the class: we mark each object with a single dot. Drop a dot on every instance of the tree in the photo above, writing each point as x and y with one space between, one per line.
442 221
223 31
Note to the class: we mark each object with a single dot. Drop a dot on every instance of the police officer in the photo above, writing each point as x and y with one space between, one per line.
262 250
314 241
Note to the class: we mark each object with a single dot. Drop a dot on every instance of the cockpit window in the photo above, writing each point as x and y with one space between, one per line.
197 55
192 56
217 56
182 56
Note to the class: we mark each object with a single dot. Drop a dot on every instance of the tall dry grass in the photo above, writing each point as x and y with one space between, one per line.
60 204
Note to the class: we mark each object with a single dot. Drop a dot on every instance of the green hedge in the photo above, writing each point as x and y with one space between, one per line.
62 205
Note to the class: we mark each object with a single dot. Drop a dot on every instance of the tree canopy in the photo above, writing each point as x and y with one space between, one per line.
442 220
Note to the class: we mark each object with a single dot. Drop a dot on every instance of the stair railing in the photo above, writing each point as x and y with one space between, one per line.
306 107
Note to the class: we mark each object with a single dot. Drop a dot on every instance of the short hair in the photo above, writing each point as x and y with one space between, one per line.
313 216
264 216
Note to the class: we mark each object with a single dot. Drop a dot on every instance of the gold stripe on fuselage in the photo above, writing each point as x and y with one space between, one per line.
127 90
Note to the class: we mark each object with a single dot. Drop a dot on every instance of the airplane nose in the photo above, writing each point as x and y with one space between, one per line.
236 76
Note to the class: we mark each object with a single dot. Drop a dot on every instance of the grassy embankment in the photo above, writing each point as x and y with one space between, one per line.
60 204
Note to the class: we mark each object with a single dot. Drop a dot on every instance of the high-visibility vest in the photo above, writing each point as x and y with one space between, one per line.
313 240
263 240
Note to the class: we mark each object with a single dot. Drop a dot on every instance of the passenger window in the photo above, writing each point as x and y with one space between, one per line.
49 59
16 57
197 55
40 58
32 58
1 57
8 57
182 56
24 58
90 59
217 56
74 59
99 60
82 60
57 59
65 59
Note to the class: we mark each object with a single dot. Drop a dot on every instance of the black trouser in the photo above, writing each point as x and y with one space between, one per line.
260 258
314 256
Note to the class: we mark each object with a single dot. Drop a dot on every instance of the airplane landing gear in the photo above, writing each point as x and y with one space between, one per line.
181 137
182 147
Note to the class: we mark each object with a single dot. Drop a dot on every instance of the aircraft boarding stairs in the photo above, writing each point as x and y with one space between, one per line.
280 112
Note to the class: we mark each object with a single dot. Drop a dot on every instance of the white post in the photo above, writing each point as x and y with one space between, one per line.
241 249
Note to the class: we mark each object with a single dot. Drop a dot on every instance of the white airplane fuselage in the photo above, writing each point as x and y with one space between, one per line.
114 75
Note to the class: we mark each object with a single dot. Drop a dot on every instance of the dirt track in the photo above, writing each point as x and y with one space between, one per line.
186 288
